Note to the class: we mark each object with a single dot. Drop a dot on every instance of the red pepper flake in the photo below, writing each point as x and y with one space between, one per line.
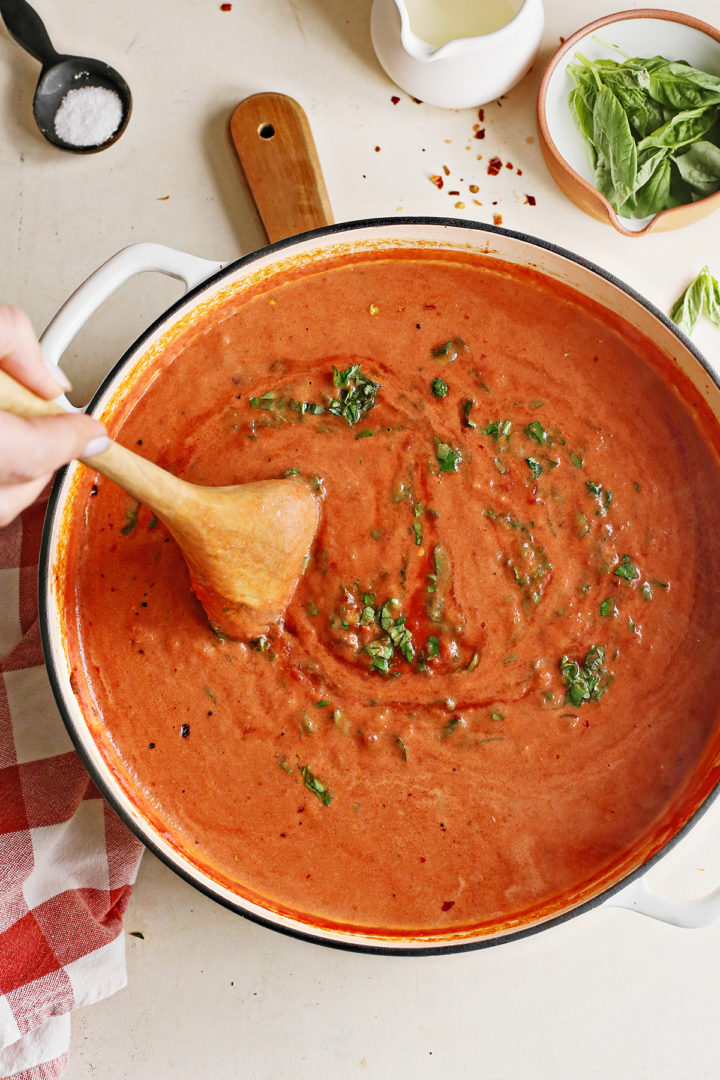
494 166
226 7
480 134
437 181
446 170
481 115
519 172
474 188
395 99
508 164
453 192
497 219
162 198
377 149
530 200
447 904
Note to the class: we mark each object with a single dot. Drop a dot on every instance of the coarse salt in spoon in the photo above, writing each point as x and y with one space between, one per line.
80 104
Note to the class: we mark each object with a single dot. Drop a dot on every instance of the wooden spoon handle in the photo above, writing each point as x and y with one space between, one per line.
275 147
16 398
148 483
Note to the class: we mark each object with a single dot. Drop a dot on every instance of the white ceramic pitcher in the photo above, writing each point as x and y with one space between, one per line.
456 53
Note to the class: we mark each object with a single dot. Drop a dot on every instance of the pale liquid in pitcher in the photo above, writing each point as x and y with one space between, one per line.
439 21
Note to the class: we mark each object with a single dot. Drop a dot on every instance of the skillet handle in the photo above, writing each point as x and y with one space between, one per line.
87 298
690 914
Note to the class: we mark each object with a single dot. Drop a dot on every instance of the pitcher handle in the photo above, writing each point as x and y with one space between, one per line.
87 298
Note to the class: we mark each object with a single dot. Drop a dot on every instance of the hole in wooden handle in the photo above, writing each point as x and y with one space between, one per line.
266 131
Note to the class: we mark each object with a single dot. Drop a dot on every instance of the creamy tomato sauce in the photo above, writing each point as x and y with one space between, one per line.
497 673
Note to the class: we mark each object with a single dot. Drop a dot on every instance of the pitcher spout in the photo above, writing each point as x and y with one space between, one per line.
414 46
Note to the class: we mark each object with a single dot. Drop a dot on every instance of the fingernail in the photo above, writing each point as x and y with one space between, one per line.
96 446
58 375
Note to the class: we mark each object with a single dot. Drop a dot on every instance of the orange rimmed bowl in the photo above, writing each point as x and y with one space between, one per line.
646 32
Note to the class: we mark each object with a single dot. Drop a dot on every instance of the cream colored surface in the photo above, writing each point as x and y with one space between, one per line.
608 994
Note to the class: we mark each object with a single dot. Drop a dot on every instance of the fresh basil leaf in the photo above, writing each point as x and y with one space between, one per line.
683 128
702 292
655 196
712 299
699 167
648 161
582 114
681 86
616 146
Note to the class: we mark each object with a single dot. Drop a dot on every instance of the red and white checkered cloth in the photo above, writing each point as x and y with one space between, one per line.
67 863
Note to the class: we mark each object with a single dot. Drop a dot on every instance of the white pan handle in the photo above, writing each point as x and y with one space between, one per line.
87 298
690 914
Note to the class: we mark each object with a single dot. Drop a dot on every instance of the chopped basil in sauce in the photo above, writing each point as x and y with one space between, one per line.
448 458
131 519
497 428
315 785
627 569
587 681
357 393
448 350
537 432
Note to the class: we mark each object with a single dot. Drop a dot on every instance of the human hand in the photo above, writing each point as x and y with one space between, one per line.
32 449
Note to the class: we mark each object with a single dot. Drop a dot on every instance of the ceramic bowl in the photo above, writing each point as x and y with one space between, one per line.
645 32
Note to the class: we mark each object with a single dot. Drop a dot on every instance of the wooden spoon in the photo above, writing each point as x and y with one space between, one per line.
276 151
245 546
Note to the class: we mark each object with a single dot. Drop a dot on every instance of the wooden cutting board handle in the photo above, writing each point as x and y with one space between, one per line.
276 150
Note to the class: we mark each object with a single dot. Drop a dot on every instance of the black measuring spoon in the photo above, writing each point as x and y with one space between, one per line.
60 74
